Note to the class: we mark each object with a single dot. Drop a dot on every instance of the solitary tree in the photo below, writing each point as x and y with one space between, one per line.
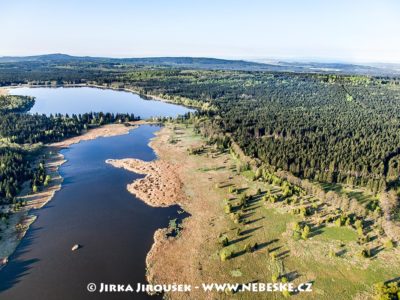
306 232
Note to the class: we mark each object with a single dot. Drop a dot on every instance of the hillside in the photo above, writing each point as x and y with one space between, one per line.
210 64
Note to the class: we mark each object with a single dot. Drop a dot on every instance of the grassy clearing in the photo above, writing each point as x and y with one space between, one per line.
249 174
344 234
261 246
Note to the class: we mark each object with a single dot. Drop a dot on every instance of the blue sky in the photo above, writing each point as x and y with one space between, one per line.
344 30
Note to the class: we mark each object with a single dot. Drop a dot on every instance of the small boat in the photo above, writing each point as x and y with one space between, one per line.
75 247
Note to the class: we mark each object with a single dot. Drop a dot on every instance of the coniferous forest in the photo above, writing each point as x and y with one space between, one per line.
325 127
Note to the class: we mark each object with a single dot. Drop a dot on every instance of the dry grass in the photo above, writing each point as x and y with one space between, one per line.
160 187
193 257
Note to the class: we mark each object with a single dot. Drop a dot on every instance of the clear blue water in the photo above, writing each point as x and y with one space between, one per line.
79 100
94 209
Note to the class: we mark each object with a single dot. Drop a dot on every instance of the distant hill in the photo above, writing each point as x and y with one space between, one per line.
215 64
38 58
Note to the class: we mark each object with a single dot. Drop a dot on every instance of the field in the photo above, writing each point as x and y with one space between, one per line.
261 247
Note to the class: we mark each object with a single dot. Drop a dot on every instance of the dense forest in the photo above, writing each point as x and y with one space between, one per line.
324 127
28 128
21 135
11 103
14 170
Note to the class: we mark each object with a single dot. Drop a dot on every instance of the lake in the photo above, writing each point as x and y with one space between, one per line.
94 209
79 100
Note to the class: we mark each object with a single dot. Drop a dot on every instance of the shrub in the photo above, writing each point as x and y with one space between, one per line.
224 241
296 226
247 248
358 224
238 232
255 246
296 235
332 253
366 253
47 180
362 239
285 293
258 173
229 291
389 244
306 232
236 219
360 231
243 199
387 290
225 254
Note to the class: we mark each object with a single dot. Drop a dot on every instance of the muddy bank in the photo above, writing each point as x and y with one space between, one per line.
160 187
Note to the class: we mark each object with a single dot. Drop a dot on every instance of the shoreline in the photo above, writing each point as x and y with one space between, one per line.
161 187
3 91
53 161
190 257
184 258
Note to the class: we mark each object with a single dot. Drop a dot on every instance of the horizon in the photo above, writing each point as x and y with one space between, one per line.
260 60
314 31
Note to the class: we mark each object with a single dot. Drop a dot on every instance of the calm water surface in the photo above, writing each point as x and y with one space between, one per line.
81 100
94 209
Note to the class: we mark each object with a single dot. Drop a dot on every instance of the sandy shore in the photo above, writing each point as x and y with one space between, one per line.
53 160
3 91
104 131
